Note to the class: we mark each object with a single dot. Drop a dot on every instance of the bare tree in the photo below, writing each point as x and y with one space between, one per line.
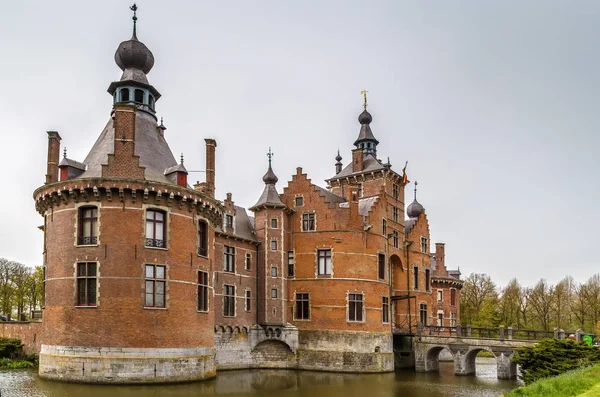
7 269
542 303
20 281
510 303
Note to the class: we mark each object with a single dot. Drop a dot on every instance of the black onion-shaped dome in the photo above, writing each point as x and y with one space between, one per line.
365 117
414 209
134 54
270 178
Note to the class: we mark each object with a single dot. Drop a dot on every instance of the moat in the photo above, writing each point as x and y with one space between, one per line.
262 383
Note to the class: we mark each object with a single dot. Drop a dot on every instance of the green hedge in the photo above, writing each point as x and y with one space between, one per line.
551 357
11 348
570 384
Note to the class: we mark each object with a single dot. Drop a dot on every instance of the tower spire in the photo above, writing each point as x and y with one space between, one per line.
364 93
416 184
134 9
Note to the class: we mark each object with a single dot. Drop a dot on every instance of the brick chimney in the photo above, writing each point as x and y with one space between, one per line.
53 156
440 258
123 162
211 144
357 160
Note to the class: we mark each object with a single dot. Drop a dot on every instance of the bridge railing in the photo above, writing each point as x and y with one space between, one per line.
500 333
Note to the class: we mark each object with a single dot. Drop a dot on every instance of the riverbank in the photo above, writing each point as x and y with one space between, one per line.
583 382
7 363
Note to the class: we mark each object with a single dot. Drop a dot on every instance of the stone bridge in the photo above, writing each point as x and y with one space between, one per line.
464 350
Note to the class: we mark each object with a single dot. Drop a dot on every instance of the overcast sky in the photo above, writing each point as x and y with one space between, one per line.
493 103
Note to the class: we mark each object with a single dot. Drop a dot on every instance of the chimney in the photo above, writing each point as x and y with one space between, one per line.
357 160
440 256
53 156
211 144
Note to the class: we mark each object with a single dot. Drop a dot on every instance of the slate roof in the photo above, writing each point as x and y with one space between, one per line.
364 205
150 145
243 226
71 163
409 224
329 196
370 164
269 198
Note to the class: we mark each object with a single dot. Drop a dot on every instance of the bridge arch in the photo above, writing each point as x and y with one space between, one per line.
429 360
468 364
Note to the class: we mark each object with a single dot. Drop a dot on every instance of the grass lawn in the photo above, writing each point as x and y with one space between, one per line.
578 383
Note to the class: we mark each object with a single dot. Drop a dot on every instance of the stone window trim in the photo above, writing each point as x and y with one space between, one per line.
273 271
202 250
273 293
381 266
291 264
452 296
385 309
453 319
308 221
304 297
355 301
424 245
299 201
228 221
360 190
248 263
155 279
440 295
440 319
228 259
423 313
395 239
384 227
396 191
395 214
273 245
165 227
81 239
231 308
85 280
274 223
318 257
248 300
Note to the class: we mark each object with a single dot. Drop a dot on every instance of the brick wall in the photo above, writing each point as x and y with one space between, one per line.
30 333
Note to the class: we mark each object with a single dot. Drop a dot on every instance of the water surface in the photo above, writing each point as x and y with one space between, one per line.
282 383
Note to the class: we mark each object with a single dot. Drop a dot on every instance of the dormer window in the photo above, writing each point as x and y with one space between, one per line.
124 95
228 220
139 96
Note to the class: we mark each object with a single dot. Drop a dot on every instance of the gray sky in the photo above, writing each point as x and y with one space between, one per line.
493 103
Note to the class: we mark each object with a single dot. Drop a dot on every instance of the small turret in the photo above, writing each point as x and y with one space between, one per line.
338 164
415 208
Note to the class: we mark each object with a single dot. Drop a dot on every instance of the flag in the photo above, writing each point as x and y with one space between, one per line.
404 176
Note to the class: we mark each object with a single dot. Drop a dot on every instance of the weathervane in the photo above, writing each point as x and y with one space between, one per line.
134 9
181 158
65 153
270 155
364 93
416 184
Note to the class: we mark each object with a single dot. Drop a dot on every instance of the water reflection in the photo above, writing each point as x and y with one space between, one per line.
286 383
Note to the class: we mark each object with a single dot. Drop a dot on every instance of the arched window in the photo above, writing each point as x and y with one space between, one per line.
139 96
202 238
151 101
124 95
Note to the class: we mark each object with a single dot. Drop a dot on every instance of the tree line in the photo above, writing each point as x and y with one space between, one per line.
568 305
21 290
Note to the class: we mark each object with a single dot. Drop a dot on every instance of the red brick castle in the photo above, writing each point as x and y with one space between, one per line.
148 279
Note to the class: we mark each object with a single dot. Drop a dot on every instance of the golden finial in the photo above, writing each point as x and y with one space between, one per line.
364 93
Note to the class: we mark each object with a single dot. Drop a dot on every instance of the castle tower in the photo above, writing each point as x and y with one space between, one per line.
270 226
127 257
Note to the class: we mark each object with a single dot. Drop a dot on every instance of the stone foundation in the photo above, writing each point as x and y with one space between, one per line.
126 365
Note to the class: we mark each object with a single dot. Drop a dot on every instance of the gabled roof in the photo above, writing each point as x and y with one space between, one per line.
330 197
268 198
150 145
364 205
370 164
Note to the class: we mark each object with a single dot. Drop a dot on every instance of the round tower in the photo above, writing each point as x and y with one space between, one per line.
127 256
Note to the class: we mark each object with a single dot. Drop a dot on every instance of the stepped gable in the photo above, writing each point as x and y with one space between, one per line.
330 198
151 147
243 225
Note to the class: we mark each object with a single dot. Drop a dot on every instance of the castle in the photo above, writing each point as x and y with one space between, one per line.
149 279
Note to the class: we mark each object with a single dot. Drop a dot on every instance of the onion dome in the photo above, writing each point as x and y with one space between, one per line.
133 53
338 158
270 178
415 208
366 140
365 117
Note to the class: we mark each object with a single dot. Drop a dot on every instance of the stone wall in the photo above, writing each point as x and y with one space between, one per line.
28 332
345 351
126 365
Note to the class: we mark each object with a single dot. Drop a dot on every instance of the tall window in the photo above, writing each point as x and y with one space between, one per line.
273 271
229 258
416 277
274 223
424 244
440 319
228 220
88 226
360 190
384 227
453 297
202 238
440 295
395 239
229 300
155 286
385 309
299 201
202 291
308 221
273 245
395 191
155 229
124 95
139 96
151 101
248 261
355 307
248 303
291 261
381 266
427 279
324 260
86 283
395 213
302 306
453 319
423 313
273 293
